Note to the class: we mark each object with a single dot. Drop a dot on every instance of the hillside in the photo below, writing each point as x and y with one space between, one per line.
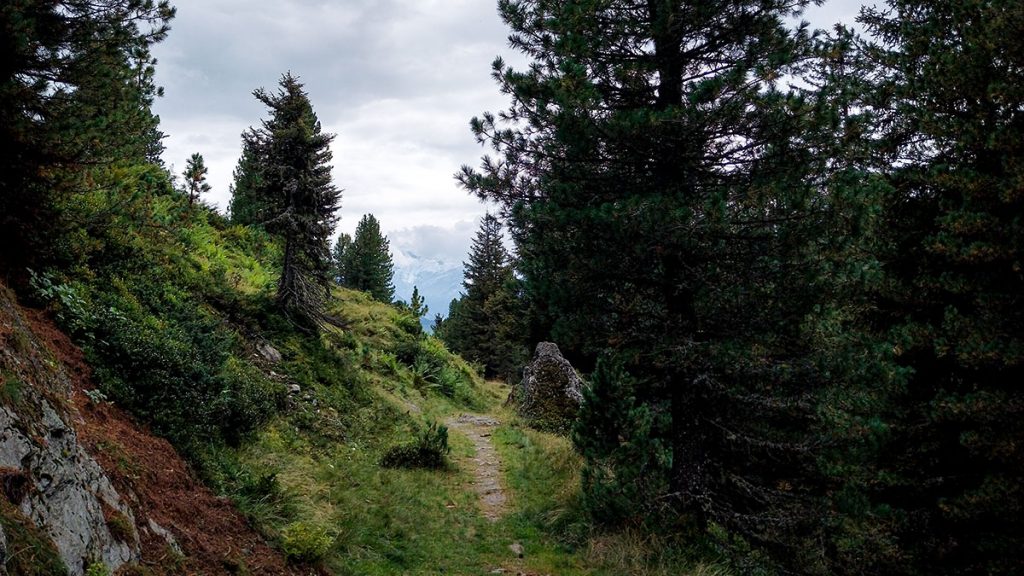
284 430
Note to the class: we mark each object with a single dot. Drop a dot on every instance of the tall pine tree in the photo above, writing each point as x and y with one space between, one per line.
76 84
483 325
656 183
943 486
295 183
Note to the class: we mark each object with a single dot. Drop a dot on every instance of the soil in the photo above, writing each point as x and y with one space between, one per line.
485 463
159 487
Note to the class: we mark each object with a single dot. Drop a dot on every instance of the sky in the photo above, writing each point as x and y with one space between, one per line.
396 80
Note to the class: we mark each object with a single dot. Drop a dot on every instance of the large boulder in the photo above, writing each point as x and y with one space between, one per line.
550 393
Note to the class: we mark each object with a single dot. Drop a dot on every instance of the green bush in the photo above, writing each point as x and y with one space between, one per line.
428 450
303 542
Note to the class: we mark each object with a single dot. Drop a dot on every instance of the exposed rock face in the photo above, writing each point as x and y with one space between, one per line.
65 493
3 552
551 391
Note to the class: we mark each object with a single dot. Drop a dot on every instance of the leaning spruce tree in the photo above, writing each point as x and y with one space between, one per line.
295 184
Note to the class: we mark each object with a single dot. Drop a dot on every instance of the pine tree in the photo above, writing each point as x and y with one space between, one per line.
248 207
940 493
416 304
75 94
295 183
367 261
338 257
482 326
195 178
656 185
437 326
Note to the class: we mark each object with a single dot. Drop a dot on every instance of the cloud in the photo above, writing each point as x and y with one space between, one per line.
447 246
396 80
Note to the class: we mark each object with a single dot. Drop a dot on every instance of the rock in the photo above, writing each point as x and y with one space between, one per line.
3 552
165 534
62 488
516 549
269 353
550 392
294 389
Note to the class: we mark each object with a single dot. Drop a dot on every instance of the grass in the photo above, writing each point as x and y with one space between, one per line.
308 474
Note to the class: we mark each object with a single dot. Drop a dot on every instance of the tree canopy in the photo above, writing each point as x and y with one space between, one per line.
295 185
365 262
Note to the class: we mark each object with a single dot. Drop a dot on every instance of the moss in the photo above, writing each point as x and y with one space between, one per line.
302 542
119 525
29 551
11 388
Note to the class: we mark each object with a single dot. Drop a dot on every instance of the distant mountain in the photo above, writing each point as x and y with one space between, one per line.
438 281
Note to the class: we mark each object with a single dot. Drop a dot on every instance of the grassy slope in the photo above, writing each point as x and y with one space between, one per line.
169 304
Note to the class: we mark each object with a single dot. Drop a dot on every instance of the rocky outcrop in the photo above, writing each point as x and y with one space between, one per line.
62 489
550 392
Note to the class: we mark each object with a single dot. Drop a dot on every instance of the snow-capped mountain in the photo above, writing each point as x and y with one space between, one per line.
439 281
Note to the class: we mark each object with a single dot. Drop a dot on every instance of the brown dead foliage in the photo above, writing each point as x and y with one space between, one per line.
156 482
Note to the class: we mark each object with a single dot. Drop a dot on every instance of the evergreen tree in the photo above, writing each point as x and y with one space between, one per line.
295 183
482 326
437 326
248 207
338 257
195 178
657 189
939 489
367 261
75 94
416 304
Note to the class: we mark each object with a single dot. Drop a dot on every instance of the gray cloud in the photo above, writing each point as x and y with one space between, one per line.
396 80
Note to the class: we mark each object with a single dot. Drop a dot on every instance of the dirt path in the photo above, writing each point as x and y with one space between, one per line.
485 463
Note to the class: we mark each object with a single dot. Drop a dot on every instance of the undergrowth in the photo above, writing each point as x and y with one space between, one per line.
337 453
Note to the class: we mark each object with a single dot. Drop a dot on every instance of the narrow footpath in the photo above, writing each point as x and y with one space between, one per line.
485 463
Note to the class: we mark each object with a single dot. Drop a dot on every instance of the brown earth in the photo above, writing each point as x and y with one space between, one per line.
156 482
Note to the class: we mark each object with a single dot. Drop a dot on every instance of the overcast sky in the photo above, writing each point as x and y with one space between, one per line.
396 80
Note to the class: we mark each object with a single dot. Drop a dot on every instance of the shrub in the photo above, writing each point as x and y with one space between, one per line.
303 542
427 451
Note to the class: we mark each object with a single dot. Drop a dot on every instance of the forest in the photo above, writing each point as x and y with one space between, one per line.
786 262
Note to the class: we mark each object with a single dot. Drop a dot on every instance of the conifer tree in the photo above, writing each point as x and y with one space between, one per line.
655 181
338 257
938 491
195 178
367 261
76 84
248 207
482 325
295 183
416 304
437 326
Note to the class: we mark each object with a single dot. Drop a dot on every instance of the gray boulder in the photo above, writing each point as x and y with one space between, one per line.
550 392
